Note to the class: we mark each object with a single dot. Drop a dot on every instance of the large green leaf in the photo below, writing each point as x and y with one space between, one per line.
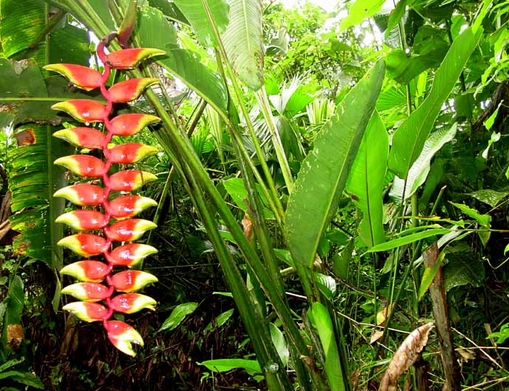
69 45
359 11
323 323
14 302
421 167
325 170
178 315
224 365
155 31
169 9
33 181
412 238
21 22
367 181
195 13
243 41
462 268
409 138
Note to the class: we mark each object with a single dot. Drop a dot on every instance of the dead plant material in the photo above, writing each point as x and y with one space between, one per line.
247 224
405 357
14 336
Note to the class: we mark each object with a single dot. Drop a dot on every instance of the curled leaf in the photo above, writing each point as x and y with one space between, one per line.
405 357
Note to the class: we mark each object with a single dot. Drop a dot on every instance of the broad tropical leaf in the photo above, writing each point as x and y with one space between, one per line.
195 13
25 95
155 31
367 181
409 138
243 41
421 167
322 321
325 171
359 11
411 238
32 183
224 365
21 23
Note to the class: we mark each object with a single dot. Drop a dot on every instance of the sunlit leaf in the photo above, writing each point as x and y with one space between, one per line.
178 315
409 138
366 182
325 171
243 41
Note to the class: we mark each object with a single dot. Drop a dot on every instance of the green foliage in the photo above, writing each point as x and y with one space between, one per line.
410 137
243 41
196 14
343 246
178 315
325 170
366 182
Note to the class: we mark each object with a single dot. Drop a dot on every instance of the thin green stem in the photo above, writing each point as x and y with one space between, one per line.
241 103
263 102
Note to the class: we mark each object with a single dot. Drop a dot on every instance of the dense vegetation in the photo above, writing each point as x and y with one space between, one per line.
332 195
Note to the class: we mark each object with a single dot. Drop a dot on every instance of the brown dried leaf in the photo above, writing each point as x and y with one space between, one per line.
375 336
25 137
14 336
380 320
405 356
247 224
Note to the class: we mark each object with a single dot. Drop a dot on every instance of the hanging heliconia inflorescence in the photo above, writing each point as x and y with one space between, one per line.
123 209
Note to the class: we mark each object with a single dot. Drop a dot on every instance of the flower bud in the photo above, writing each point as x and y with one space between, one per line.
87 291
86 245
129 90
129 303
130 153
130 180
82 194
129 206
89 271
128 230
130 124
132 280
82 77
123 336
129 58
130 254
83 165
83 220
89 312
83 110
82 137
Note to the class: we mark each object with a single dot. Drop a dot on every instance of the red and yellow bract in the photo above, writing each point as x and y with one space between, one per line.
91 272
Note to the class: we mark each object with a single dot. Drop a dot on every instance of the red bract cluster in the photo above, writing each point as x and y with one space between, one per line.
98 302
